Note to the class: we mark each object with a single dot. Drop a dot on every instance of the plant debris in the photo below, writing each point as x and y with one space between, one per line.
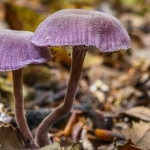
111 107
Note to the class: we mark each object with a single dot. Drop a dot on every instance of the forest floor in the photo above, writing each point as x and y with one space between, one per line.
111 108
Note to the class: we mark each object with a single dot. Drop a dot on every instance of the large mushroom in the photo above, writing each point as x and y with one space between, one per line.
17 51
81 29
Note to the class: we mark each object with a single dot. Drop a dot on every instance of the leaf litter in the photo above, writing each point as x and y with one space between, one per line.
113 94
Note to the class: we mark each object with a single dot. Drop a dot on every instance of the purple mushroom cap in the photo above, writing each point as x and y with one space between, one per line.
16 50
82 27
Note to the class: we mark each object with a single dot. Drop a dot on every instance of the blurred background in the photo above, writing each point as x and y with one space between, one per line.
111 83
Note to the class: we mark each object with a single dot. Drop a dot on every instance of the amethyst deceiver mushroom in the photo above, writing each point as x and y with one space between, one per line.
81 29
17 51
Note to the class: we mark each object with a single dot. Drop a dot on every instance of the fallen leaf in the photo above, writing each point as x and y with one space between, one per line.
75 146
1 107
71 122
10 138
128 146
139 134
76 130
86 142
54 146
5 118
140 112
107 135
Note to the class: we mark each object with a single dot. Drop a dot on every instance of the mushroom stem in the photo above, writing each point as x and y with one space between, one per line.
19 110
76 68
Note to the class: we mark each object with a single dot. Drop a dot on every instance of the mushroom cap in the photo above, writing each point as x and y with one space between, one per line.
82 27
16 50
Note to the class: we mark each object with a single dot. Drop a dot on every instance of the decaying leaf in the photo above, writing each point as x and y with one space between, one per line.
128 146
139 134
22 18
75 146
5 118
10 138
54 146
6 85
140 112
71 122
86 142
1 107
76 130
107 135
61 56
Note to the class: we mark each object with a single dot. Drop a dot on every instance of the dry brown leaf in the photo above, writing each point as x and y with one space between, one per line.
71 122
139 134
107 135
128 146
140 112
76 130
4 117
86 142
61 56
10 138
75 146
54 146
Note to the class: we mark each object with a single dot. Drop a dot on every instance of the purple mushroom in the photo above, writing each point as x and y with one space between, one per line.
17 51
81 29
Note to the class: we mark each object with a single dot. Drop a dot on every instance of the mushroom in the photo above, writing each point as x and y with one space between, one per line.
83 30
17 51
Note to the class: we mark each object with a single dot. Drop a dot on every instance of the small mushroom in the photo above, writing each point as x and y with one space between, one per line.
83 30
17 51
